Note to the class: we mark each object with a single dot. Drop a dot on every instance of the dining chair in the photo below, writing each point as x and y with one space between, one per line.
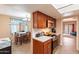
16 38
25 38
21 37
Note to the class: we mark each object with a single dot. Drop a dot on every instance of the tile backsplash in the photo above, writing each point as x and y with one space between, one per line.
35 31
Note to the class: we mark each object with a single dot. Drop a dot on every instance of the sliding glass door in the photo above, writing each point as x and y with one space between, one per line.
68 28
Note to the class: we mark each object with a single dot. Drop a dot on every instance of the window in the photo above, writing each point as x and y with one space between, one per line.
18 25
26 28
13 28
14 25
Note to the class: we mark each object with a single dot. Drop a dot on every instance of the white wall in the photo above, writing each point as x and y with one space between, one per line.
58 26
77 39
4 26
35 31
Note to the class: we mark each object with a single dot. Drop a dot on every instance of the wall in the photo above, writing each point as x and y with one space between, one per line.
58 26
77 41
35 31
4 26
30 25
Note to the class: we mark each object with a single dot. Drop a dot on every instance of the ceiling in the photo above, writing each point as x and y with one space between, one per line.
67 9
23 10
69 19
58 6
53 10
13 10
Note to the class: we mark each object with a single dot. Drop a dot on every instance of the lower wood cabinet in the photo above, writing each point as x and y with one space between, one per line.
41 47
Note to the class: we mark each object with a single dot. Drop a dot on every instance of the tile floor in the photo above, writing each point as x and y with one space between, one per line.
21 49
68 46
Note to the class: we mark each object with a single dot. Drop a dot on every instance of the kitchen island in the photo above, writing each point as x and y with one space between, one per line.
44 44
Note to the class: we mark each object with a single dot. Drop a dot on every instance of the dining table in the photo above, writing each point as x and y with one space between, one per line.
20 37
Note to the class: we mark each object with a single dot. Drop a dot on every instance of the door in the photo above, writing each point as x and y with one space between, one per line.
47 47
70 28
66 29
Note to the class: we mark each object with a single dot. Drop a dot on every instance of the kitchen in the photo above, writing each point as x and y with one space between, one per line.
44 35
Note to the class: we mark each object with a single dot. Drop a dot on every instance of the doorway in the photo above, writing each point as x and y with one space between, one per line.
69 35
69 28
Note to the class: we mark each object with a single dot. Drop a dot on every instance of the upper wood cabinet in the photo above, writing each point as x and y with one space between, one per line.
40 20
51 22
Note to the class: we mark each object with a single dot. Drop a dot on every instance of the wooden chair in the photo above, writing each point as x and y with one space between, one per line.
16 38
29 36
21 38
25 38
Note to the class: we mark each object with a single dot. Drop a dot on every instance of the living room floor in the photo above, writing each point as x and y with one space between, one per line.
68 46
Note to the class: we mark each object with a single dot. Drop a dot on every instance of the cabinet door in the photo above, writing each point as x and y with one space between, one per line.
37 47
54 21
44 21
38 50
41 20
51 22
35 20
47 47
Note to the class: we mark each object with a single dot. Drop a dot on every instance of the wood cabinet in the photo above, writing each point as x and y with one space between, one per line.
35 17
51 22
47 47
39 20
41 47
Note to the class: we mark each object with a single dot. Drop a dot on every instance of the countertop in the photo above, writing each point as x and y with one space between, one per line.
5 42
42 38
45 38
55 34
